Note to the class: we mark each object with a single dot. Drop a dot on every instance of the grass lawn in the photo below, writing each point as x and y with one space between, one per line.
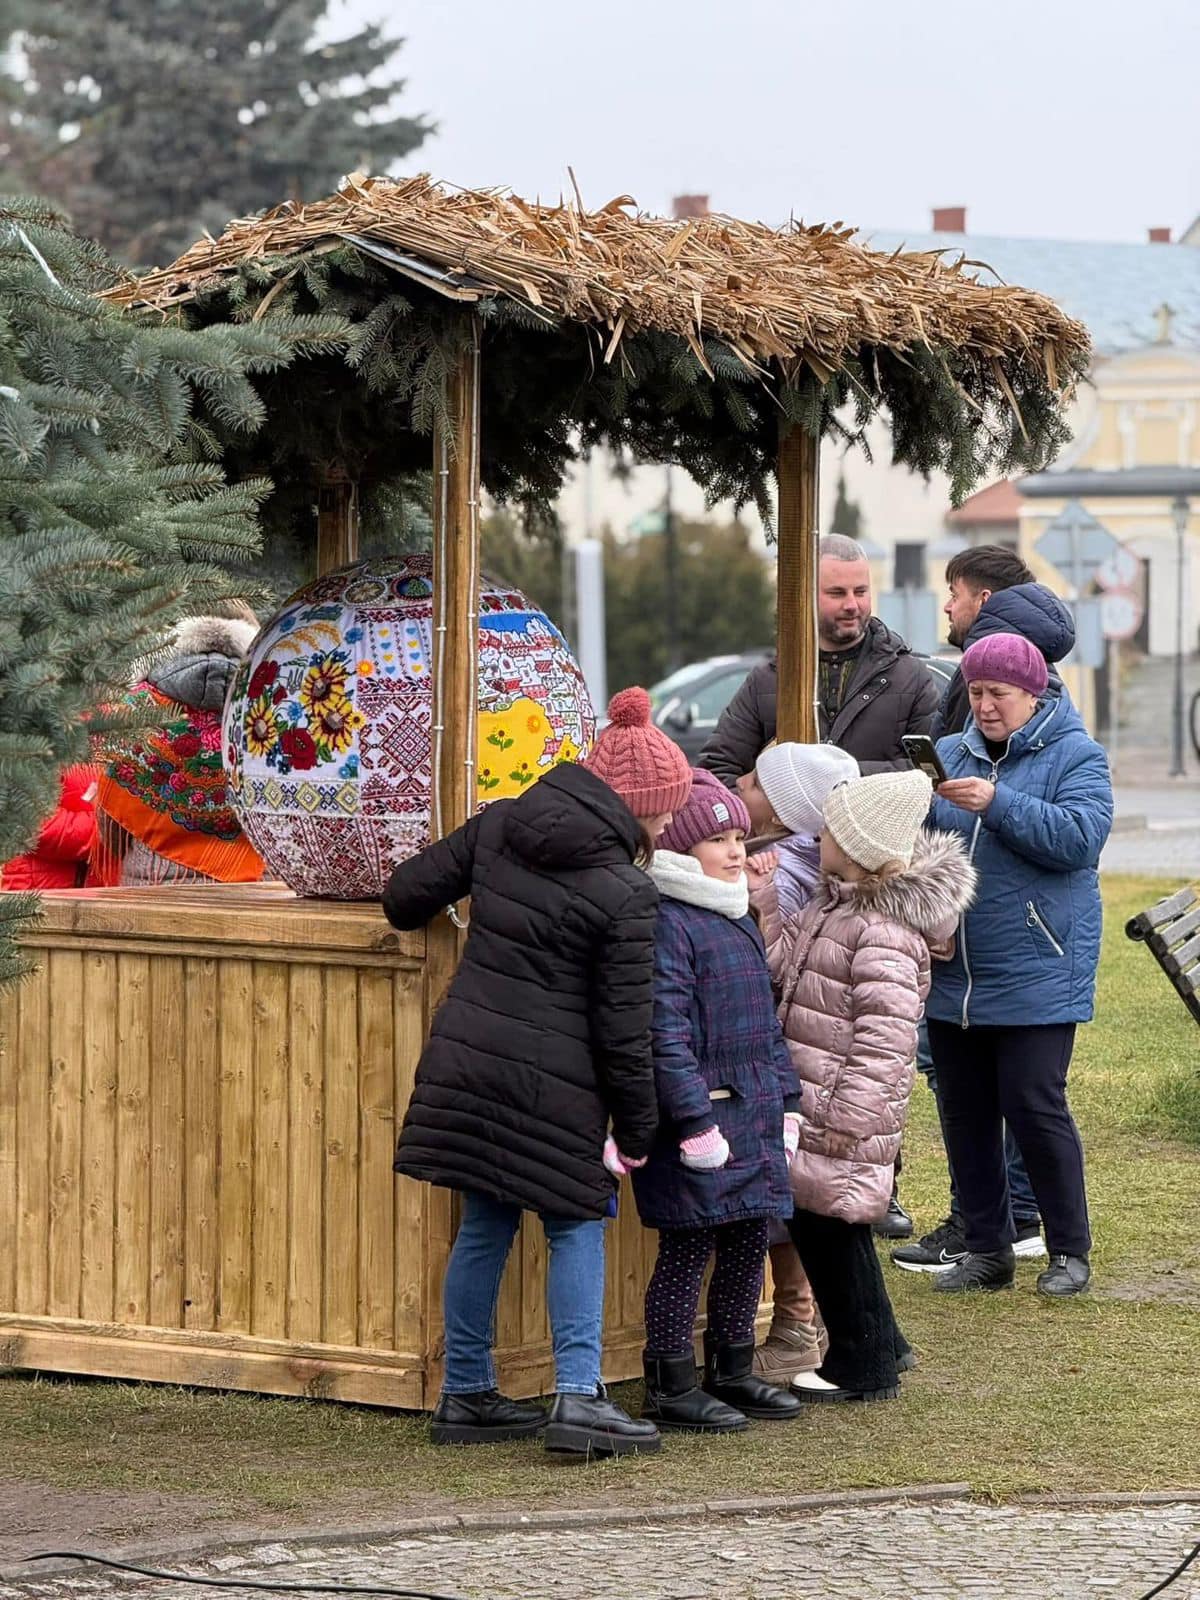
1012 1393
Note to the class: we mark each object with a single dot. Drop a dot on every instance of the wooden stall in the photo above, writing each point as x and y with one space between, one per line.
200 1088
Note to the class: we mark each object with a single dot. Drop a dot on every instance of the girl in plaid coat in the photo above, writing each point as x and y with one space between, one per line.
727 1098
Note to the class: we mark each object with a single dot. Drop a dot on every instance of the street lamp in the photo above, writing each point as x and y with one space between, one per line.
1180 509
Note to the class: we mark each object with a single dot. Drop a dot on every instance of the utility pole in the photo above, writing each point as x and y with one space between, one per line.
1179 511
671 564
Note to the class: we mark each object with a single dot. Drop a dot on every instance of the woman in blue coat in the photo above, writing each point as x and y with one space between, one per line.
728 1105
1031 793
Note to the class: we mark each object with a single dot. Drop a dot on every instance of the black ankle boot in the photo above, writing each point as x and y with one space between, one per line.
674 1400
484 1418
594 1425
728 1377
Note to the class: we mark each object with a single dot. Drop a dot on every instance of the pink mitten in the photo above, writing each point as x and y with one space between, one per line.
791 1134
616 1163
705 1152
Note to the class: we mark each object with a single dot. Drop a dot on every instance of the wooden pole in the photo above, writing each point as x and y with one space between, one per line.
456 596
337 521
799 455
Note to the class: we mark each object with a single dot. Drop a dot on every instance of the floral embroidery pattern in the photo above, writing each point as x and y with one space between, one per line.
301 716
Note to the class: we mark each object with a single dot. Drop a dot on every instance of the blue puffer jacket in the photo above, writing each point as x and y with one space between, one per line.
1031 610
1027 950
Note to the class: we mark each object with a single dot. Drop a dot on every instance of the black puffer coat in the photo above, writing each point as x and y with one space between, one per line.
544 1034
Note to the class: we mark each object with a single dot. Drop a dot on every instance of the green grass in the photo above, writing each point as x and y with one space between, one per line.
1013 1394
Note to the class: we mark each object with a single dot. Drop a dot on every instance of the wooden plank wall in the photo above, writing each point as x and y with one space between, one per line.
201 1145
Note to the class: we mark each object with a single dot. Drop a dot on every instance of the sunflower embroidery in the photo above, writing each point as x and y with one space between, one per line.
325 682
262 731
333 725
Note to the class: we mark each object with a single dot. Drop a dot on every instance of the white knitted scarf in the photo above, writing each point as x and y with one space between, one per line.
683 878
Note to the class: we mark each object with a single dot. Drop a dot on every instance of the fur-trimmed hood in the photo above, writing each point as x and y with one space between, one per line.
929 896
198 665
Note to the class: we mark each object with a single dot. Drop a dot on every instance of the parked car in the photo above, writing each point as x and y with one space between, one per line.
688 703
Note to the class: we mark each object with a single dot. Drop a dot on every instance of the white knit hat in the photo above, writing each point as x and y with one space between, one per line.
877 819
797 778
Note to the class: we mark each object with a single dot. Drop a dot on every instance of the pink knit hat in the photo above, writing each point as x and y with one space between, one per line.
1006 658
711 809
641 764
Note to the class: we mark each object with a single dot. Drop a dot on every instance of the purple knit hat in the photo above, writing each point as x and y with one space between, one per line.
711 809
1006 658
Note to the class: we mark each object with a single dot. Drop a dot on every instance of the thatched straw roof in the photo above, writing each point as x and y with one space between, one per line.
801 294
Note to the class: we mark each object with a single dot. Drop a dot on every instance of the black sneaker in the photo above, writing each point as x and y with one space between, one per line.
936 1252
993 1269
1029 1244
484 1418
594 1425
895 1223
1064 1276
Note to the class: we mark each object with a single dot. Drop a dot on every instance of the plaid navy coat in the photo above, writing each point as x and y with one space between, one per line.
715 1029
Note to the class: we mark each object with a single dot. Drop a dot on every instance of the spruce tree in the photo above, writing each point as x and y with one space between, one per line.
152 120
847 517
115 520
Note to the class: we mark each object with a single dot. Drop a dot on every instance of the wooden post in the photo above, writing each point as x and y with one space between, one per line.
455 693
799 455
337 521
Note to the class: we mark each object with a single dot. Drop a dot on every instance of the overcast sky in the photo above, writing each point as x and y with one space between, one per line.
1051 118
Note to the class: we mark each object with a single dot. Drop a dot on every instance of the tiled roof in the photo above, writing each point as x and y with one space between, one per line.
999 502
1116 289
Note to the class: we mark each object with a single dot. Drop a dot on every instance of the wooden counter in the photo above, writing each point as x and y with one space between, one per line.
199 1097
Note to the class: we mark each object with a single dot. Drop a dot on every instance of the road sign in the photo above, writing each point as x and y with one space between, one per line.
1121 570
1077 544
1121 613
1090 647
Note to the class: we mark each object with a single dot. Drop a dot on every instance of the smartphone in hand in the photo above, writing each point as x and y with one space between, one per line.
920 750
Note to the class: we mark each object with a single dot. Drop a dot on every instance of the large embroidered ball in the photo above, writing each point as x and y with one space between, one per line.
327 726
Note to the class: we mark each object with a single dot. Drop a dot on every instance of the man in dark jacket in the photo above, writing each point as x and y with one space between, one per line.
871 689
991 591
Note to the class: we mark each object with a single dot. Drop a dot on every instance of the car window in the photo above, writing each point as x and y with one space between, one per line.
675 686
711 698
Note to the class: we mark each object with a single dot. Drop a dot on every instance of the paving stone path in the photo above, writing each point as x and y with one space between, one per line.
887 1552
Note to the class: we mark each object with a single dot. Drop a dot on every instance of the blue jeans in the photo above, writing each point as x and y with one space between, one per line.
574 1296
1024 1203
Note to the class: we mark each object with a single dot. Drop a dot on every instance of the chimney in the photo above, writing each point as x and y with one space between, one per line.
949 219
686 206
1158 235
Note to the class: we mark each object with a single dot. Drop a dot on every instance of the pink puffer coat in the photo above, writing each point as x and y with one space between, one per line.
852 972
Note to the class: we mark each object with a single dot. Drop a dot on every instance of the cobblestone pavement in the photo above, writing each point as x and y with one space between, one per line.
893 1552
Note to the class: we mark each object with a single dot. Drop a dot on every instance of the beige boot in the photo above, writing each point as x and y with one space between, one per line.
788 1350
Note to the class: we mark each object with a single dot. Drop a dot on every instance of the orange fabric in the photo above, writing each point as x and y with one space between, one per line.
225 860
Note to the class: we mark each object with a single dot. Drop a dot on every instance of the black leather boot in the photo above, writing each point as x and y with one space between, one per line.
1066 1275
484 1418
674 1400
594 1425
728 1376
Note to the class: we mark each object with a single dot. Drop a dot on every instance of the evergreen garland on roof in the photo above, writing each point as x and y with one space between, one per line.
549 395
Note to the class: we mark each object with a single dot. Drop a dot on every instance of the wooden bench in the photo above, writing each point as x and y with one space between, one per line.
1171 929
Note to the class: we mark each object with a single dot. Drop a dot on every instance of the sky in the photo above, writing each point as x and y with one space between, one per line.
1072 119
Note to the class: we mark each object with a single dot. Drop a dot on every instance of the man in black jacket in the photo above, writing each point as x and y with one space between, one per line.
871 689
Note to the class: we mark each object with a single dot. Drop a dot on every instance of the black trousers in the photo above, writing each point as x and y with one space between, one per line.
990 1076
847 1283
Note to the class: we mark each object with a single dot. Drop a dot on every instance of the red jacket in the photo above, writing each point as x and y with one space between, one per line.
58 860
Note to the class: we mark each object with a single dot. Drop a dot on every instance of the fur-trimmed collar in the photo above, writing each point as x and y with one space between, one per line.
928 896
213 636
683 878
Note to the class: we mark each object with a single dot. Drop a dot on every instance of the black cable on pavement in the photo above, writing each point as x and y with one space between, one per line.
238 1583
1170 1579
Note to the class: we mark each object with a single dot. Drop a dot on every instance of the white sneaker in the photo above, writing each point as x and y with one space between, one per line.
1029 1244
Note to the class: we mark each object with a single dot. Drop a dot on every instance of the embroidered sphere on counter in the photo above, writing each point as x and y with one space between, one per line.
327 728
